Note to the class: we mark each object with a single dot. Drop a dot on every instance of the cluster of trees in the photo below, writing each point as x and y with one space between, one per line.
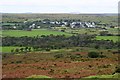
17 50
58 42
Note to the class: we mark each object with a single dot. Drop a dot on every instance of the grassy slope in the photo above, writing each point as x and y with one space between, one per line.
35 32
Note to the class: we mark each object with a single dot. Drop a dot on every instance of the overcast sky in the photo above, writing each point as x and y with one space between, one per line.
59 6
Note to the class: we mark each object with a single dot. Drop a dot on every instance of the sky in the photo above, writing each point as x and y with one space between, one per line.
59 6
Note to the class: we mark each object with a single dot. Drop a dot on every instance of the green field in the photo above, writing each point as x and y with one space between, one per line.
38 76
104 76
89 77
114 38
83 31
113 30
7 49
35 32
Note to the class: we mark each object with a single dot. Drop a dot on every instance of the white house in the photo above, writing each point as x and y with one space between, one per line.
14 27
38 27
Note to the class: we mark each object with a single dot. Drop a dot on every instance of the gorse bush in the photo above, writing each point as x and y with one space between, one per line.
117 69
59 56
75 56
47 49
93 54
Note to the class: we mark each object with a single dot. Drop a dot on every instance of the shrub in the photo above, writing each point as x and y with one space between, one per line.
93 54
51 71
47 49
97 46
75 56
18 62
117 69
58 56
103 33
102 56
77 49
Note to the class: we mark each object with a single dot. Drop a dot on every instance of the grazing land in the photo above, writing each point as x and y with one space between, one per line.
8 49
36 32
113 38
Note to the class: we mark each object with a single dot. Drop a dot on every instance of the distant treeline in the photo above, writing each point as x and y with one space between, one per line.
58 42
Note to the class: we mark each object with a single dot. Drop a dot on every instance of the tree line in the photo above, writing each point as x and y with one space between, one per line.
59 41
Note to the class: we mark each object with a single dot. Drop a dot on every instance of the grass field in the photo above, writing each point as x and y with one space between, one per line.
38 76
7 49
105 76
91 31
114 38
90 77
113 30
86 31
35 32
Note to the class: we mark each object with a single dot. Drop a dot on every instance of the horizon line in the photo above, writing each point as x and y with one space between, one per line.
53 13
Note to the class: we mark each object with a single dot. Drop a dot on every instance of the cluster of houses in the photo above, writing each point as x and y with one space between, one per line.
49 24
83 25
76 24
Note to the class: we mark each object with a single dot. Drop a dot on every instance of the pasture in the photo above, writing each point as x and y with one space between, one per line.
8 49
83 31
35 32
113 30
113 38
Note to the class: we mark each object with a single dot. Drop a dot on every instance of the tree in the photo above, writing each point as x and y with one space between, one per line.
36 48
29 49
97 46
62 30
42 35
16 50
47 49
21 49
26 49
12 50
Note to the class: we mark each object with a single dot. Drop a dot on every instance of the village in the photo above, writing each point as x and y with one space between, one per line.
46 23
